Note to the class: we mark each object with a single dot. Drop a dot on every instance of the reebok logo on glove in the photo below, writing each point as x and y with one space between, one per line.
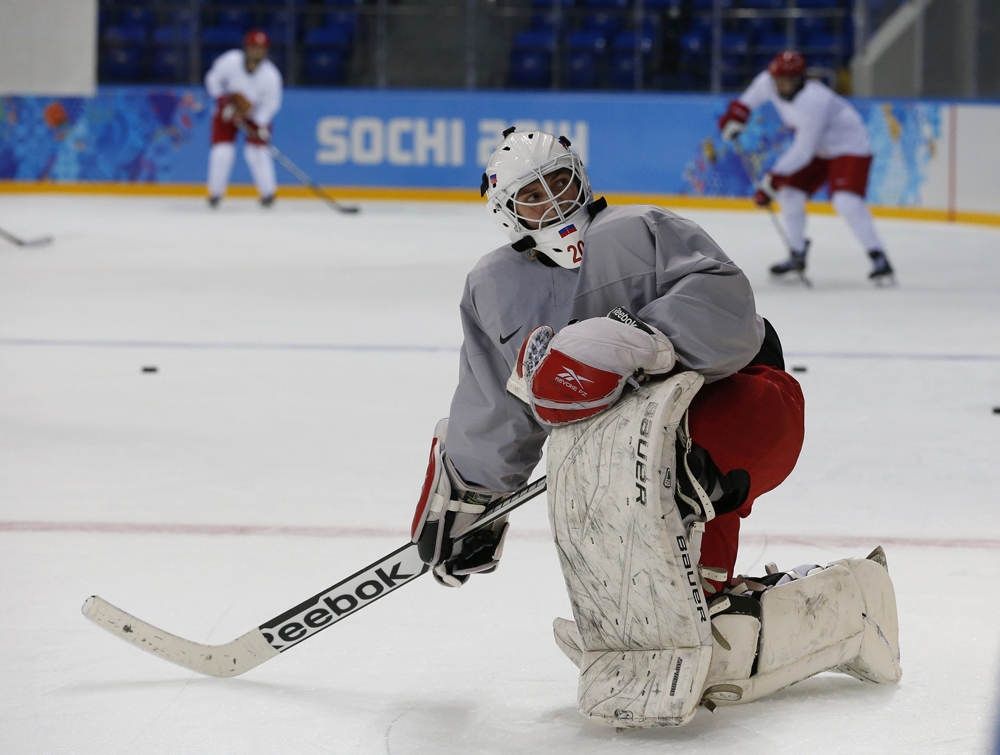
582 370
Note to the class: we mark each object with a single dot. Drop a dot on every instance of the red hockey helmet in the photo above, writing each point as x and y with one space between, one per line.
257 38
788 63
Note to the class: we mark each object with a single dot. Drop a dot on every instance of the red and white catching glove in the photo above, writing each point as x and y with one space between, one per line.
582 370
448 505
734 120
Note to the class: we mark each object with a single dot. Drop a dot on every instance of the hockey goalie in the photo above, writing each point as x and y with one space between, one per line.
641 359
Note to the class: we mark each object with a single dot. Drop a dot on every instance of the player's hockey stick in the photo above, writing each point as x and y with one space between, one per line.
300 174
296 624
40 241
770 210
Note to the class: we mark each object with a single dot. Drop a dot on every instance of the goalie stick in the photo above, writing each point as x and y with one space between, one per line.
16 241
288 629
300 174
770 210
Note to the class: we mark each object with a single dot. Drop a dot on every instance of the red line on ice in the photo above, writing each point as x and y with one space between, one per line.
140 528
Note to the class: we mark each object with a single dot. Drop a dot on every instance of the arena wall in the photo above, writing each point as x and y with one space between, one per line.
933 159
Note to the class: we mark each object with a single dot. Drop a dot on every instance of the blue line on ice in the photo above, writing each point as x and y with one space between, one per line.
266 346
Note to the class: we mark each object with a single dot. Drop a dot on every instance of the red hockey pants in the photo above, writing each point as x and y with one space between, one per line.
753 420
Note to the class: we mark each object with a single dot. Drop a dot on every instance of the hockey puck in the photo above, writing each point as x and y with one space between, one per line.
149 369
996 409
799 368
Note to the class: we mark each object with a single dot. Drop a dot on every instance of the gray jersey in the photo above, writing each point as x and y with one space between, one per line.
659 266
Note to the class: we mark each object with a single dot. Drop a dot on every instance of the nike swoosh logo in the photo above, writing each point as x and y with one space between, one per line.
504 339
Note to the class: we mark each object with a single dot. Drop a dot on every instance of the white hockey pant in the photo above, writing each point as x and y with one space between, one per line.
630 562
851 207
854 210
261 166
220 166
793 214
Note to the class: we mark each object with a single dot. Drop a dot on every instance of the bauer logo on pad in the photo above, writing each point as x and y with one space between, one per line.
564 232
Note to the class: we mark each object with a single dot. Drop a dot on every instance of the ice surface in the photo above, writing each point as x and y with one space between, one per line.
303 358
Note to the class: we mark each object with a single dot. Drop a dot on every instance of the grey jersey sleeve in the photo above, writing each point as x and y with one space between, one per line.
497 443
704 302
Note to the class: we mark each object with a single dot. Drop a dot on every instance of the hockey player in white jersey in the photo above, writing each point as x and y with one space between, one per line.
830 147
631 342
247 89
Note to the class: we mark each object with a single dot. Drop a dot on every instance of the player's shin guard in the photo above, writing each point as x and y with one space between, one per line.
630 561
839 617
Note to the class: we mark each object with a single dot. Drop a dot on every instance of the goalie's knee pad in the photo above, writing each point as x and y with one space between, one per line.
643 637
840 617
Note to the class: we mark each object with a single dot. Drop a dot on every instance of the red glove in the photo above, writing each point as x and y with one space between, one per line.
233 105
261 134
582 370
767 189
734 120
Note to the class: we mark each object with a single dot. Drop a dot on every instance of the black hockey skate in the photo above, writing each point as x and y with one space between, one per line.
796 263
213 202
267 201
882 272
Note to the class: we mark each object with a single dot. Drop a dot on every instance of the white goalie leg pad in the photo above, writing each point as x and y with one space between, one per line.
842 617
643 635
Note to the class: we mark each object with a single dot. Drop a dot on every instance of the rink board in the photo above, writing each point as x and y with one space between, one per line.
928 154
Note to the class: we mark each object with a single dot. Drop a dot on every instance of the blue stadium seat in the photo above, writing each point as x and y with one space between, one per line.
627 40
121 64
172 35
125 34
765 4
182 17
773 43
330 37
695 47
605 23
551 3
549 20
530 69
623 70
334 2
607 4
582 70
238 19
823 4
323 67
276 24
587 41
734 43
661 4
822 41
171 65
137 17
539 40
226 37
808 25
708 4
344 19
758 26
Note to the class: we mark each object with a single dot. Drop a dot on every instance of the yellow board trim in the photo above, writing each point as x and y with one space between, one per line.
420 194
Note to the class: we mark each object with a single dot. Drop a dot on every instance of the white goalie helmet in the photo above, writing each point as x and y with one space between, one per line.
552 216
